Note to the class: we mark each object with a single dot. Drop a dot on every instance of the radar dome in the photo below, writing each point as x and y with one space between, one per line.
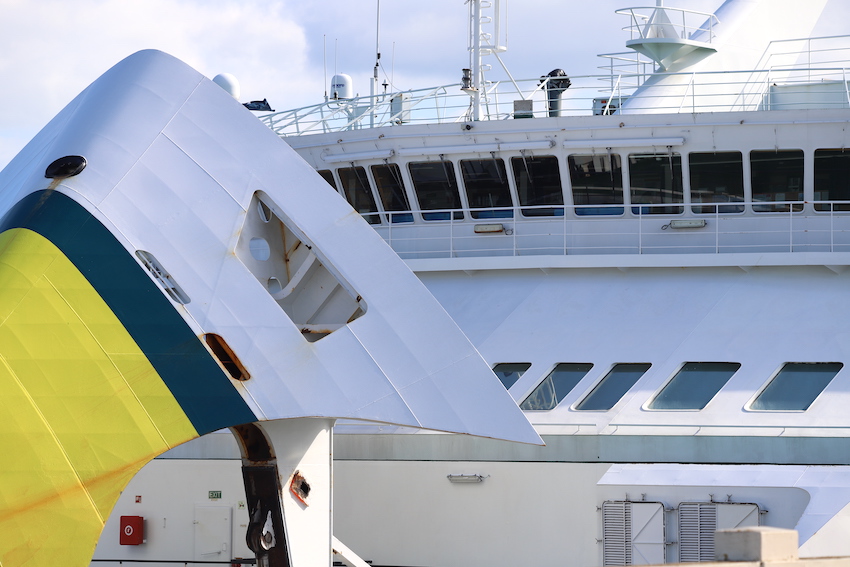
229 83
342 86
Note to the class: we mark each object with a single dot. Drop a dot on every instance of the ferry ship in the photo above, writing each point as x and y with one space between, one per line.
653 266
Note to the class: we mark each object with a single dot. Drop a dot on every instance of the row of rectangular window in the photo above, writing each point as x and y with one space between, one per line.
793 388
716 184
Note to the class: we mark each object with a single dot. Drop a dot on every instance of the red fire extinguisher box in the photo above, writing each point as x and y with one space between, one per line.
132 530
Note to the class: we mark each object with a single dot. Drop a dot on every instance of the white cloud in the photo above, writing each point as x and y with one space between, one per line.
53 49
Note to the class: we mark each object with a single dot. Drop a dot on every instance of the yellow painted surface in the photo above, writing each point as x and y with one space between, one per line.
83 409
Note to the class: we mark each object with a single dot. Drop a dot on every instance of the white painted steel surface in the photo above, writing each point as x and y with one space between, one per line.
173 165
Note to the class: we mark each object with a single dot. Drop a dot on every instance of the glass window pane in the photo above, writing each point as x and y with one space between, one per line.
717 177
391 191
328 176
613 387
510 372
435 185
486 183
355 187
832 179
596 180
538 182
694 385
777 176
796 386
556 386
655 179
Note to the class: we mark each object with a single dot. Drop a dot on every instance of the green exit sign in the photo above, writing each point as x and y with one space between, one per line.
215 494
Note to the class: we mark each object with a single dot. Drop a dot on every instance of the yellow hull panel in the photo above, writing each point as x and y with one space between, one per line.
84 408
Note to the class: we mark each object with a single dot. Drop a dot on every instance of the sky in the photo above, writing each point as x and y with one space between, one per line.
282 50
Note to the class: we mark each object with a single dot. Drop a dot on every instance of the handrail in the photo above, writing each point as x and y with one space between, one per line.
682 30
731 90
668 228
745 90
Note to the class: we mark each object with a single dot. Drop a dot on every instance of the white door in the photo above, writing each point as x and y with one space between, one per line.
212 533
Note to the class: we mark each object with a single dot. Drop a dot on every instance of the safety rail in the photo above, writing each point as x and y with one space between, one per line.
663 21
669 228
684 92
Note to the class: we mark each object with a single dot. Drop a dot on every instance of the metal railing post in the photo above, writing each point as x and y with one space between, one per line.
451 233
717 229
640 230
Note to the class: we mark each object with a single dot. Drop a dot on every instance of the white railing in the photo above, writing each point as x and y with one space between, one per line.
670 228
715 92
662 21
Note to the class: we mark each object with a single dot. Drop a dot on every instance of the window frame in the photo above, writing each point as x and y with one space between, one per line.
679 372
549 375
776 373
577 406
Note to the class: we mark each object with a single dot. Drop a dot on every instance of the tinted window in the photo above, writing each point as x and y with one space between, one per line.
328 176
436 188
655 179
510 372
596 180
694 385
556 386
538 182
796 386
391 191
613 387
832 179
355 187
777 176
717 177
486 183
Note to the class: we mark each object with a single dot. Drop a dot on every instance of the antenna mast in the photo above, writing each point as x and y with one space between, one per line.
373 87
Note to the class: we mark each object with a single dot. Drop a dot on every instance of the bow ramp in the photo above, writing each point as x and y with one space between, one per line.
170 267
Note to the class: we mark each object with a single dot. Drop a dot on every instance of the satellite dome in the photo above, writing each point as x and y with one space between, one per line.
229 83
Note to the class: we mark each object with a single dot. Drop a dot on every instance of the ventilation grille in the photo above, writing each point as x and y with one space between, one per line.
697 524
617 533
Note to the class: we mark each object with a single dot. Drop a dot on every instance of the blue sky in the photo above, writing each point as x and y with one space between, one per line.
279 49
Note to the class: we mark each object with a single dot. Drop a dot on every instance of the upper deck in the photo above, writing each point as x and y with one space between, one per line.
636 162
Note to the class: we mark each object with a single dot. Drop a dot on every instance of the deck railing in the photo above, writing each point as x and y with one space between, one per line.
687 92
805 73
670 228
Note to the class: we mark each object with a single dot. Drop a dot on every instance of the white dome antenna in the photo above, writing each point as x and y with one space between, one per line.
229 83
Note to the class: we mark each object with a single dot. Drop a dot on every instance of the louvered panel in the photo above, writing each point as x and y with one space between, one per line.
616 533
697 524
707 527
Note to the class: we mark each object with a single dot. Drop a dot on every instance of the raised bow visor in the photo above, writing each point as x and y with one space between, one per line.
196 275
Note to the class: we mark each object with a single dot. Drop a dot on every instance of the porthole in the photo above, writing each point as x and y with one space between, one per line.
260 249
274 286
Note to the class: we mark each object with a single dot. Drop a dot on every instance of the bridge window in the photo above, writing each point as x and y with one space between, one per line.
832 179
655 179
436 189
597 182
510 372
486 183
556 386
355 187
796 386
391 191
538 182
717 177
777 175
694 385
613 386
329 177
